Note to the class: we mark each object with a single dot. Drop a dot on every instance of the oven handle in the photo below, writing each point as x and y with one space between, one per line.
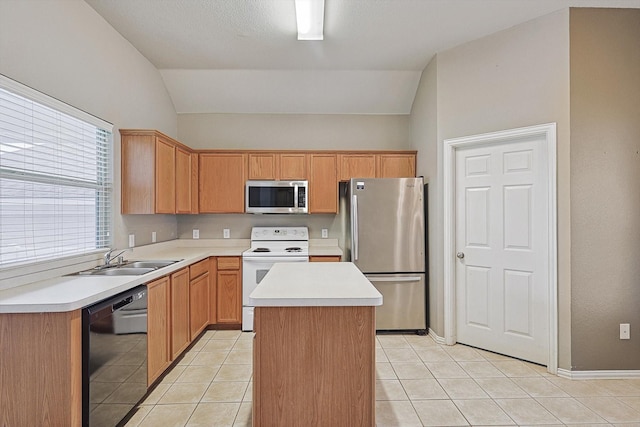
269 259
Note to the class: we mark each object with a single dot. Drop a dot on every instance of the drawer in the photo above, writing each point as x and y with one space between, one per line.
198 269
228 263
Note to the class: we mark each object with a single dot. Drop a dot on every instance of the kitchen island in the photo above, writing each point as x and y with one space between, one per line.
314 348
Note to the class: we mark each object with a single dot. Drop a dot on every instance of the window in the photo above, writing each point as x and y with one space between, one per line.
55 177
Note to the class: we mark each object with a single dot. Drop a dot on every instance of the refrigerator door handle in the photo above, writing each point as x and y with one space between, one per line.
354 232
394 279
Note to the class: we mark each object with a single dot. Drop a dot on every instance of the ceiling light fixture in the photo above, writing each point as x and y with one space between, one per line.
310 19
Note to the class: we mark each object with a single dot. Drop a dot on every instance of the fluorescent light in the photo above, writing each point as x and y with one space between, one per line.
310 19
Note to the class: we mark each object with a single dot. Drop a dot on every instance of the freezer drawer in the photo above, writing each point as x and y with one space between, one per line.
404 304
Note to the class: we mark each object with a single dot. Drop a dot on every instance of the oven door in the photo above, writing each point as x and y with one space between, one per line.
253 271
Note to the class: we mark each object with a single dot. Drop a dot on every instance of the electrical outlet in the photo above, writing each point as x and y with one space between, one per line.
226 233
132 240
325 233
196 233
154 237
625 331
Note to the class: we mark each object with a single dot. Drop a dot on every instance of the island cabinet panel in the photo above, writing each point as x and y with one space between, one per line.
222 181
41 369
229 291
320 372
324 258
323 183
158 349
397 166
180 334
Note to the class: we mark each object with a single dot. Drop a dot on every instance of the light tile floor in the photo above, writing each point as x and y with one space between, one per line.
419 383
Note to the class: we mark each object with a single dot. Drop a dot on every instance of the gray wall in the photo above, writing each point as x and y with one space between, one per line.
514 78
66 50
605 187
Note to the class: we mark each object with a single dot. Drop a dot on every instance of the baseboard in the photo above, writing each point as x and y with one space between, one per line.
436 338
598 375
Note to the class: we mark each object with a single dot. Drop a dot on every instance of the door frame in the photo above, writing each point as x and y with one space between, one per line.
548 131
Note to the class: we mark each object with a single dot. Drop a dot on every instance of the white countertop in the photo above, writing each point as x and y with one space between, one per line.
67 293
315 284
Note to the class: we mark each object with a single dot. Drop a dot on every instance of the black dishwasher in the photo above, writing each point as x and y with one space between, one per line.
114 357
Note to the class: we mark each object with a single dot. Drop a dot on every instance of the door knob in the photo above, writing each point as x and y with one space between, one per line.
460 255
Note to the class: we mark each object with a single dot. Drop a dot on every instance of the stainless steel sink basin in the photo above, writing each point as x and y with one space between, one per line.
147 264
119 271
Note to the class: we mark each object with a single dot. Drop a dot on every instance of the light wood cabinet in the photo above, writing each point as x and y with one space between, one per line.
198 298
357 166
186 163
324 258
213 290
222 181
158 308
157 174
293 166
180 334
262 166
229 290
41 369
277 166
323 183
396 165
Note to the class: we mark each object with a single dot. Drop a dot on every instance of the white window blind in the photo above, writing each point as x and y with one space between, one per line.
55 177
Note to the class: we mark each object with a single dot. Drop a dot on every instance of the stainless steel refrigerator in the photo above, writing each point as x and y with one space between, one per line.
385 239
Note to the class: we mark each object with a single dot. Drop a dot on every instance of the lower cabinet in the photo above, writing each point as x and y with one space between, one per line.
229 291
158 307
180 333
198 298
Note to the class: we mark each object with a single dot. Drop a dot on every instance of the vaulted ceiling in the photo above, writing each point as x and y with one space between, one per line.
243 56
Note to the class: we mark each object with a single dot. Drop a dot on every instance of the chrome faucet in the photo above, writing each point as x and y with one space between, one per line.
108 258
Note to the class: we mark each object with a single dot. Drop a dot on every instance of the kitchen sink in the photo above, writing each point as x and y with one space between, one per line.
147 264
130 268
118 271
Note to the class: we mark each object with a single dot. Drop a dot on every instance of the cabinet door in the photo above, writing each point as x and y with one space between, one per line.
397 165
157 328
194 183
229 297
323 183
293 166
221 184
199 305
357 166
180 334
183 181
165 176
262 166
138 177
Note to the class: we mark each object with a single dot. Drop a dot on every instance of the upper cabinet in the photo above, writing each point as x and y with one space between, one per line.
157 174
277 166
221 183
377 165
396 165
161 175
323 183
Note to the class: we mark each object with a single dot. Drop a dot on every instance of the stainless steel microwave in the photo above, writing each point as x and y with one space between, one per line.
277 197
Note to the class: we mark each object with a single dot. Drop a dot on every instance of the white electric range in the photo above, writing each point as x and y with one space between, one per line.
269 245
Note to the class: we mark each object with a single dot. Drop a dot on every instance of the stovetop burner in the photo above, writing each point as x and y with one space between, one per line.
262 250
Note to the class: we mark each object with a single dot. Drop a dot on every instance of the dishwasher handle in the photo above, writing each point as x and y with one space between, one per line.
125 302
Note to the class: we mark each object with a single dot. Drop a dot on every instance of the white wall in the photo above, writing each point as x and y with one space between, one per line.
514 78
66 50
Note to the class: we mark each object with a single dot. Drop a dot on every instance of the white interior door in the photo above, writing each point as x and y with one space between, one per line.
501 241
